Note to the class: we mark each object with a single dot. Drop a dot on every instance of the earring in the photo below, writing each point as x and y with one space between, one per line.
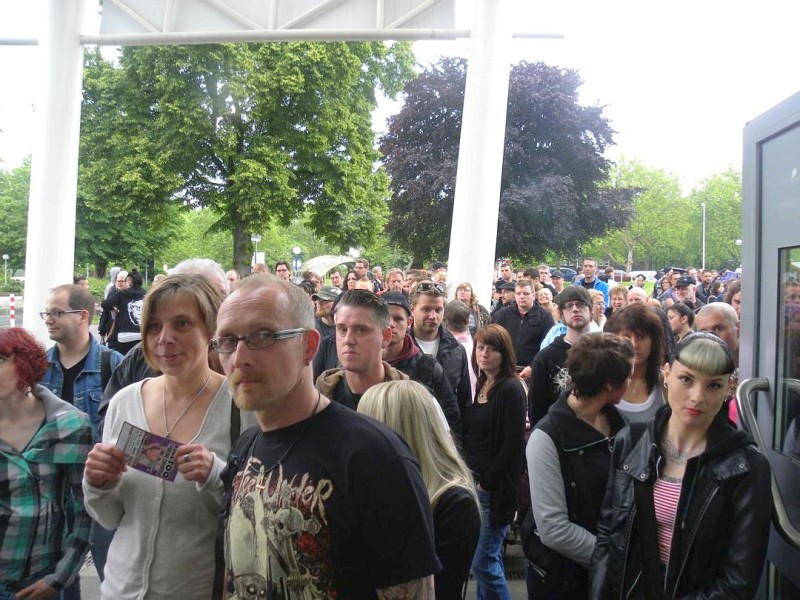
665 385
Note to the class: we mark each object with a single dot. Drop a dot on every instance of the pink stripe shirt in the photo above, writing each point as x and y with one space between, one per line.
666 493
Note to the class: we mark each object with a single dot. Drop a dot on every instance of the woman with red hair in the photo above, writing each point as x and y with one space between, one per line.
43 445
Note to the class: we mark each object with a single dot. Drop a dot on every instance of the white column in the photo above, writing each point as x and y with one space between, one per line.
480 157
50 249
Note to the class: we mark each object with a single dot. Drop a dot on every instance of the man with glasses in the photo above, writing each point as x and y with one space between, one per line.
317 488
283 270
527 323
427 311
575 309
79 369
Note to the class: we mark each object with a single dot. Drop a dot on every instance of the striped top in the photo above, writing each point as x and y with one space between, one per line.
666 493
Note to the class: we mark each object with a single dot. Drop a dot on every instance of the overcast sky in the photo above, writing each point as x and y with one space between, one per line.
679 80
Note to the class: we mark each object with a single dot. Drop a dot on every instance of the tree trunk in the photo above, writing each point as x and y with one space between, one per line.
242 246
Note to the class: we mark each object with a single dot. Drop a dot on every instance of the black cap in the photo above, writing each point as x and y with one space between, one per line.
558 274
397 299
685 281
508 286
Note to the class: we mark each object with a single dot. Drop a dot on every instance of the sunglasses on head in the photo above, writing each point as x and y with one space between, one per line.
426 287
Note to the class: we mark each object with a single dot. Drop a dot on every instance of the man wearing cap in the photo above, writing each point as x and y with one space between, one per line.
506 294
684 292
526 322
575 309
557 279
323 303
405 356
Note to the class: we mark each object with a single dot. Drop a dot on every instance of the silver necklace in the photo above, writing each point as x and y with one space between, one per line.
675 455
185 409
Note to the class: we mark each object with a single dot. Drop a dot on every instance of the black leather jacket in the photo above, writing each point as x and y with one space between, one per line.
721 526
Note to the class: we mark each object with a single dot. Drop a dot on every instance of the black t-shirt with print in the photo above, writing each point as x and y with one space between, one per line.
343 513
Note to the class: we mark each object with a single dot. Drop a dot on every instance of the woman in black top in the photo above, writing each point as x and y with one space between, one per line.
409 409
494 447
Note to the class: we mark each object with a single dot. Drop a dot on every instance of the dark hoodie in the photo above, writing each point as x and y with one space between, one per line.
721 525
543 389
424 369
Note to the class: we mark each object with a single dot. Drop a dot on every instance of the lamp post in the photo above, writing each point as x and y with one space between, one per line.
5 265
297 261
255 238
703 204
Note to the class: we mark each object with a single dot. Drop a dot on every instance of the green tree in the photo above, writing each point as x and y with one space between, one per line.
657 232
722 195
14 191
259 133
551 197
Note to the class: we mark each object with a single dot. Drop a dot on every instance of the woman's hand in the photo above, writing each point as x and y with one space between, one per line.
195 462
104 463
38 591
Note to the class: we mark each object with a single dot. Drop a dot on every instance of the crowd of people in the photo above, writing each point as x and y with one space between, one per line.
357 435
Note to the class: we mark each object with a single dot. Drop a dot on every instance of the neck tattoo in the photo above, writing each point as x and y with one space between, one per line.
261 482
673 454
185 409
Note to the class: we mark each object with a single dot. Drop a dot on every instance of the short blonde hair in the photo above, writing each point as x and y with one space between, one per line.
409 409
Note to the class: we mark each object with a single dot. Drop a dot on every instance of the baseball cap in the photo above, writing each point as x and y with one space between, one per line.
558 274
327 293
397 299
508 286
685 281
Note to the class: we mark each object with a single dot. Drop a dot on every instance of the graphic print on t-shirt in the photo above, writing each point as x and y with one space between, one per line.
278 537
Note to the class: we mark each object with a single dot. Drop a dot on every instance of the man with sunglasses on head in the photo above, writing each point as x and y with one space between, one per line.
316 488
427 311
79 368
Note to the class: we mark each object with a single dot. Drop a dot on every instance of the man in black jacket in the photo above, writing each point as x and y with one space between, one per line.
527 323
405 356
575 308
427 309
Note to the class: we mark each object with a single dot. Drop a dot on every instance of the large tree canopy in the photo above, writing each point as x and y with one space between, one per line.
551 199
259 133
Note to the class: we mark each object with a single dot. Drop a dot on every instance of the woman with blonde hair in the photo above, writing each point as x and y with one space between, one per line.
598 308
409 409
478 315
545 298
166 529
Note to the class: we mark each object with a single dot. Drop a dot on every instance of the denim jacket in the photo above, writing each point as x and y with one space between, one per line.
88 386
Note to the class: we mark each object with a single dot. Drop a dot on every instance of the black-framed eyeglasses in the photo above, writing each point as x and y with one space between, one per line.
427 286
258 340
56 314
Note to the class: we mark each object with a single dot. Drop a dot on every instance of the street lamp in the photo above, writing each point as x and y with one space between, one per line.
297 261
703 204
5 265
255 238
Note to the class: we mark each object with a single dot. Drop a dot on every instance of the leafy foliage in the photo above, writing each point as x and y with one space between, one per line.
551 199
14 191
259 133
722 195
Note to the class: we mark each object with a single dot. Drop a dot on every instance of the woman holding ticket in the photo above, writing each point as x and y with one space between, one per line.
155 477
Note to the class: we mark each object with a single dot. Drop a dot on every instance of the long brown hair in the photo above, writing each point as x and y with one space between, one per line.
497 337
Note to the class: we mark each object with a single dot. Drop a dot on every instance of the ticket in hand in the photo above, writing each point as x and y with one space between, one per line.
148 452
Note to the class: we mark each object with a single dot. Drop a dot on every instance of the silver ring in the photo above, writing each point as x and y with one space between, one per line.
187 458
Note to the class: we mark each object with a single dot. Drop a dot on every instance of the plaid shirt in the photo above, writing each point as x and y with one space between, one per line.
35 487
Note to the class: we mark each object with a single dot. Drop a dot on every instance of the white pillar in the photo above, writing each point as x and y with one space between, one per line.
480 156
50 249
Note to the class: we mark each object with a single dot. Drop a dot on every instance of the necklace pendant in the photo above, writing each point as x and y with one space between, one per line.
261 482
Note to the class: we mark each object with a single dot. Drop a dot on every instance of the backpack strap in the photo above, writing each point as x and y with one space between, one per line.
241 450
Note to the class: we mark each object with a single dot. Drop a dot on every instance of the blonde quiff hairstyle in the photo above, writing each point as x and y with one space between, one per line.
408 408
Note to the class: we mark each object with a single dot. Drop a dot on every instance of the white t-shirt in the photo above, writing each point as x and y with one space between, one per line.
431 348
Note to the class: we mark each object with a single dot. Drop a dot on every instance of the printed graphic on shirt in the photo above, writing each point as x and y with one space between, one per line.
278 536
135 311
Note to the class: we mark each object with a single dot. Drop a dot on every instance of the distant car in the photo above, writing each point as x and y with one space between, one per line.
19 275
620 275
569 272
